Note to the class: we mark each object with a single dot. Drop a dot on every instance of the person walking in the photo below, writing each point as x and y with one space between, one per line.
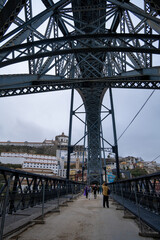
100 189
90 192
86 191
105 195
95 191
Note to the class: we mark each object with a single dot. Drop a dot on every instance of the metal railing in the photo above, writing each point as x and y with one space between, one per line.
141 196
20 190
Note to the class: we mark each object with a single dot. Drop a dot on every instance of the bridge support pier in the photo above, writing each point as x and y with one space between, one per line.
92 100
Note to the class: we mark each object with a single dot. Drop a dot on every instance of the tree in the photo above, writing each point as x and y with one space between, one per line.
138 172
9 165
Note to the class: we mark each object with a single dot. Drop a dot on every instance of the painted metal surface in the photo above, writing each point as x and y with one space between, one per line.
141 196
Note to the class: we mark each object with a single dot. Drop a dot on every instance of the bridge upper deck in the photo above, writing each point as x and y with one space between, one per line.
85 219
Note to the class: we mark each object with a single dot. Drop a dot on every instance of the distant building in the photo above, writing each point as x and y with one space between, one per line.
111 163
46 172
43 163
31 161
62 173
61 140
30 144
27 155
39 163
151 167
60 143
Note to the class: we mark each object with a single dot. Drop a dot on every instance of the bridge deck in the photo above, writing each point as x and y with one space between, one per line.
150 218
84 219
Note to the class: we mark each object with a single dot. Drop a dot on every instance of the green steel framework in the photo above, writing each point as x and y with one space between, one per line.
88 45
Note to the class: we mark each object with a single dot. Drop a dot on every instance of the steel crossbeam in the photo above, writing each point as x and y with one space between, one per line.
47 85
62 45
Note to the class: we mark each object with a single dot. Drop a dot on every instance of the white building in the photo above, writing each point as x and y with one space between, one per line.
40 163
27 155
31 161
37 161
29 144
62 173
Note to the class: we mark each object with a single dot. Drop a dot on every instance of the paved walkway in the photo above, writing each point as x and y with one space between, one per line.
22 218
84 219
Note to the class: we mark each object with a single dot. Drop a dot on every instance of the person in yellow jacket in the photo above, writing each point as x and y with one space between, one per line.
105 195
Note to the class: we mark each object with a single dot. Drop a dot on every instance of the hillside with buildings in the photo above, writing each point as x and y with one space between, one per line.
50 158
28 148
131 167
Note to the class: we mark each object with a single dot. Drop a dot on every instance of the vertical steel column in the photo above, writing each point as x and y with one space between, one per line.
56 47
70 133
148 30
28 16
13 194
114 134
123 54
104 156
84 152
43 197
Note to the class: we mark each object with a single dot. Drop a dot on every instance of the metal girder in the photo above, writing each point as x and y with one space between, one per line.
99 50
26 84
154 5
28 16
67 86
9 13
40 17
48 47
59 21
135 9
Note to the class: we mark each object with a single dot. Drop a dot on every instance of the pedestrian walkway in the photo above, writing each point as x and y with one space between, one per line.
21 219
84 219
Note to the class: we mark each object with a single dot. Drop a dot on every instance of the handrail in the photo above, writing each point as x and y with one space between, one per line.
141 196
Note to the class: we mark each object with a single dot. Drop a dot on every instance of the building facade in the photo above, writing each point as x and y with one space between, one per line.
44 163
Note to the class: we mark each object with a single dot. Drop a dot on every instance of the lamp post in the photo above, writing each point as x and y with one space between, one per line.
104 168
115 147
70 148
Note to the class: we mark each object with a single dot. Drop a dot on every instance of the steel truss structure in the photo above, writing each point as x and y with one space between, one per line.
20 190
87 45
26 189
141 196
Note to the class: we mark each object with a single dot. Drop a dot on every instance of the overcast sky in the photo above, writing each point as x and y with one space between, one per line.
43 116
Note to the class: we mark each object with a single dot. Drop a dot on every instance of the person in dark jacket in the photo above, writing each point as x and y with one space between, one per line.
86 191
95 191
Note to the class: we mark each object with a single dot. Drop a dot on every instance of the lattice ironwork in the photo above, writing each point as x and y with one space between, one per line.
25 189
141 196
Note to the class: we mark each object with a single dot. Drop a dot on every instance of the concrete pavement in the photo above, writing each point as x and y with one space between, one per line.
84 219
